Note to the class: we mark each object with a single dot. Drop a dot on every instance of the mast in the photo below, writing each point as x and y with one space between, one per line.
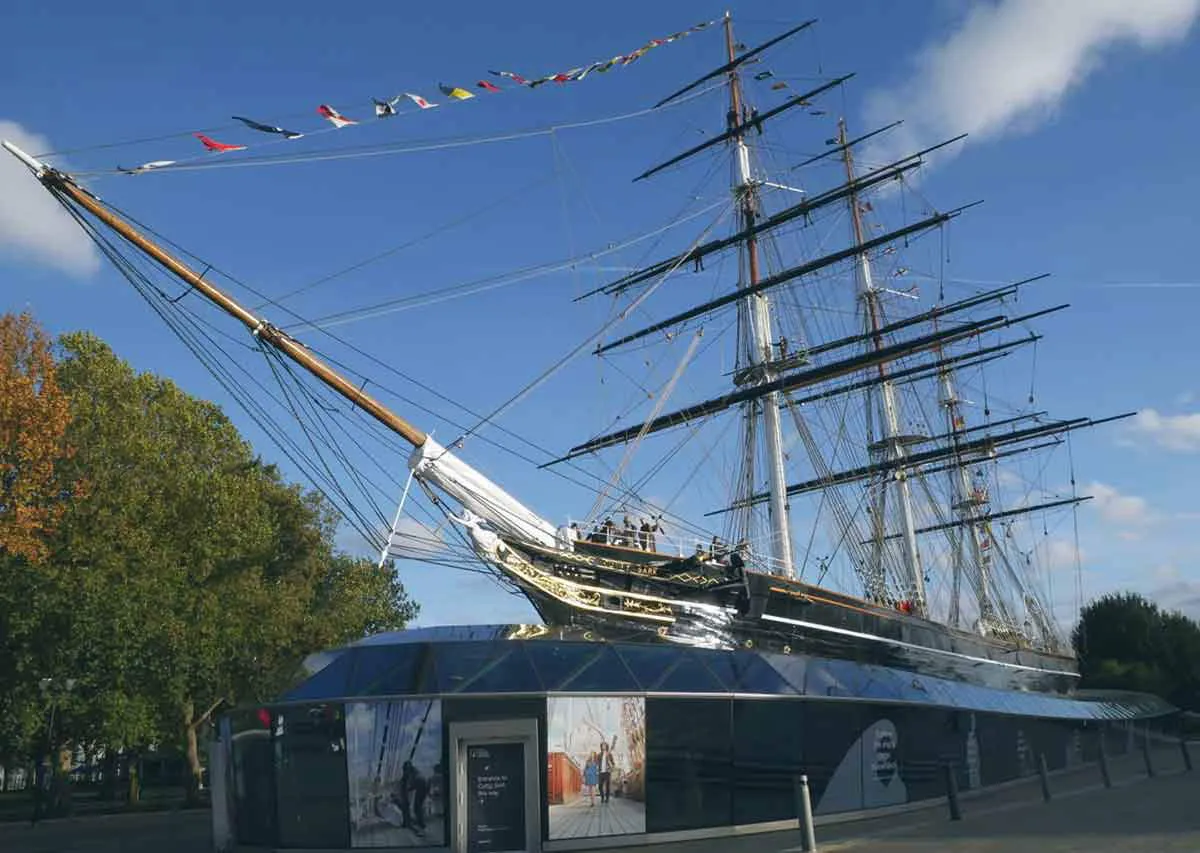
893 444
756 309
968 502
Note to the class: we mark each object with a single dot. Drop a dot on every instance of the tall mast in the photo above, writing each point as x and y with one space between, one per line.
893 442
757 312
969 501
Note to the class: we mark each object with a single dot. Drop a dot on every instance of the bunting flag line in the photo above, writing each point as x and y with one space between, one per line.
389 108
268 128
216 147
336 119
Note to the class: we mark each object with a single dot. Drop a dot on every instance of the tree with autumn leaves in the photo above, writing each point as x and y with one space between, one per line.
186 577
34 413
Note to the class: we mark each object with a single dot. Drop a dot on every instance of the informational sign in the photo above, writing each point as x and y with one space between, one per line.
496 797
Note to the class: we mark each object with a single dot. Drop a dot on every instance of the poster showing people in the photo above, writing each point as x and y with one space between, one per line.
397 787
596 774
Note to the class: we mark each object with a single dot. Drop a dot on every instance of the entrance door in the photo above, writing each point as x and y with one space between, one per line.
497 791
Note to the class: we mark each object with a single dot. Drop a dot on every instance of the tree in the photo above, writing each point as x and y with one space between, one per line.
1126 642
191 576
34 412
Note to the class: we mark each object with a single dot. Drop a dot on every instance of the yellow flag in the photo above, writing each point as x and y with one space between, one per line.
455 92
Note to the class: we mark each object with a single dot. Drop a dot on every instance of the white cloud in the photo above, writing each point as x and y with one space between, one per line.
1123 510
32 224
1056 555
1010 63
1180 433
1180 594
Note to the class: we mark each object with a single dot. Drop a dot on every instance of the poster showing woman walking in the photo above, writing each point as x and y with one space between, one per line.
596 778
397 788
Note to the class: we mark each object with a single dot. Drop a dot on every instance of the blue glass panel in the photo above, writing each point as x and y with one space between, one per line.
439 634
648 663
556 663
330 682
721 664
580 667
845 678
484 668
882 683
689 675
791 669
387 670
755 675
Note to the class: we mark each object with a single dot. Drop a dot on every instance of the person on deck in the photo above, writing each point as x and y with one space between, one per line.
644 535
651 541
737 561
630 534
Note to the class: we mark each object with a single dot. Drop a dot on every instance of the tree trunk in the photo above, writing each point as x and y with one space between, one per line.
135 780
192 771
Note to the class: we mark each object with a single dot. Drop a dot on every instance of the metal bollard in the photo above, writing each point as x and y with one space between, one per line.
952 792
808 838
1044 774
1104 765
1187 756
1146 755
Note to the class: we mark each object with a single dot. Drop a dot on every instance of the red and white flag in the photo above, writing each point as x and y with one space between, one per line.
218 147
335 118
419 101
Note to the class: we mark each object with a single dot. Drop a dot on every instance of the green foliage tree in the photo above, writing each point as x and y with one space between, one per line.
1126 642
190 577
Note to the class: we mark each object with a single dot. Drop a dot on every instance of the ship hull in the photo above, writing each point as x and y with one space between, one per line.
773 614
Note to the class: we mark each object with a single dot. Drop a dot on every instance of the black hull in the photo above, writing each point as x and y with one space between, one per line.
771 614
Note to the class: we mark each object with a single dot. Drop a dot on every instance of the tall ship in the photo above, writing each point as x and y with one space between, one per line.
792 364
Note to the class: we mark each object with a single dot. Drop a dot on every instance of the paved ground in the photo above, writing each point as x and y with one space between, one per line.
1138 815
154 832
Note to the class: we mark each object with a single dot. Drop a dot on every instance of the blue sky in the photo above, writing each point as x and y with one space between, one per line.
1082 115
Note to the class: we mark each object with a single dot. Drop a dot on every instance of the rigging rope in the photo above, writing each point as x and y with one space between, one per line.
632 446
595 336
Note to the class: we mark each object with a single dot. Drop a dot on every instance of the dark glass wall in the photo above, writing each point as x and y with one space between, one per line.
709 762
311 791
253 777
689 763
768 745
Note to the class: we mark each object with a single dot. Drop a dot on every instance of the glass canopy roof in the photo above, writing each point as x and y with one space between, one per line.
511 659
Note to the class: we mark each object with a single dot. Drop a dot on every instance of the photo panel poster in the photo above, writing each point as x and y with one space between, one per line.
397 784
596 769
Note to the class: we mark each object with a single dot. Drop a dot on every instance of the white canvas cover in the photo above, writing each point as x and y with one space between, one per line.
437 466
